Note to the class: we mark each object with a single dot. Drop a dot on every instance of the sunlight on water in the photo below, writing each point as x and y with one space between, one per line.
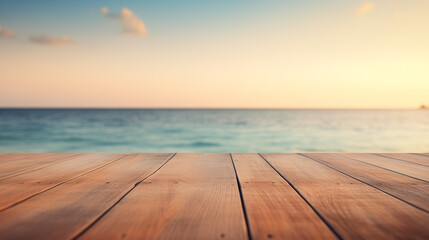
150 130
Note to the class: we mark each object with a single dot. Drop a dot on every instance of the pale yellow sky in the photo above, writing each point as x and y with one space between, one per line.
340 55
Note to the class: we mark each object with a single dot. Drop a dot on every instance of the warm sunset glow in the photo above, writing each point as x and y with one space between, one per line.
245 54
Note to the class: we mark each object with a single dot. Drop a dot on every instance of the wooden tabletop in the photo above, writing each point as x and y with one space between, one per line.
214 196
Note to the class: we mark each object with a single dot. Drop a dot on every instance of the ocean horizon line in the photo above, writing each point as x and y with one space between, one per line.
212 130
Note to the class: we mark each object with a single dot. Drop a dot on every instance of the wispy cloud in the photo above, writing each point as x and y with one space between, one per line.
52 41
364 8
131 24
6 32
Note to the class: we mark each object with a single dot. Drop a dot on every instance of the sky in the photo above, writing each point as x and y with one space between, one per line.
214 54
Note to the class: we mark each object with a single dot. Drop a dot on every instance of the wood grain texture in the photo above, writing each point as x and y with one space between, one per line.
65 211
17 156
354 209
274 209
414 158
12 164
413 191
193 196
15 189
196 196
404 167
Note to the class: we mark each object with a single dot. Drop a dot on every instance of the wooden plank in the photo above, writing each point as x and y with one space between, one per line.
399 166
15 156
11 157
414 158
354 209
410 190
194 196
18 188
12 164
274 209
63 212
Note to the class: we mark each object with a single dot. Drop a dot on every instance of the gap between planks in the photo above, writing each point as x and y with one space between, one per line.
16 202
322 161
81 232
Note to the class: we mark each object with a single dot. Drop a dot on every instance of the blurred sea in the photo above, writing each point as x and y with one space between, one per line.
214 130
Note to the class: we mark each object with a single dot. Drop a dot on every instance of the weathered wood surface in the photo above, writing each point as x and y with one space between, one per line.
403 167
13 164
214 196
18 188
194 196
352 208
274 208
410 190
409 157
65 211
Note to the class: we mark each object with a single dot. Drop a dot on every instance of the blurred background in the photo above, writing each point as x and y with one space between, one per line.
215 130
214 76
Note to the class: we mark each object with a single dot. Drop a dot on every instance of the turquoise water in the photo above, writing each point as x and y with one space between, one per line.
184 130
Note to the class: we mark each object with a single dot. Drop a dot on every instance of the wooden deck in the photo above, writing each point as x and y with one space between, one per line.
214 196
